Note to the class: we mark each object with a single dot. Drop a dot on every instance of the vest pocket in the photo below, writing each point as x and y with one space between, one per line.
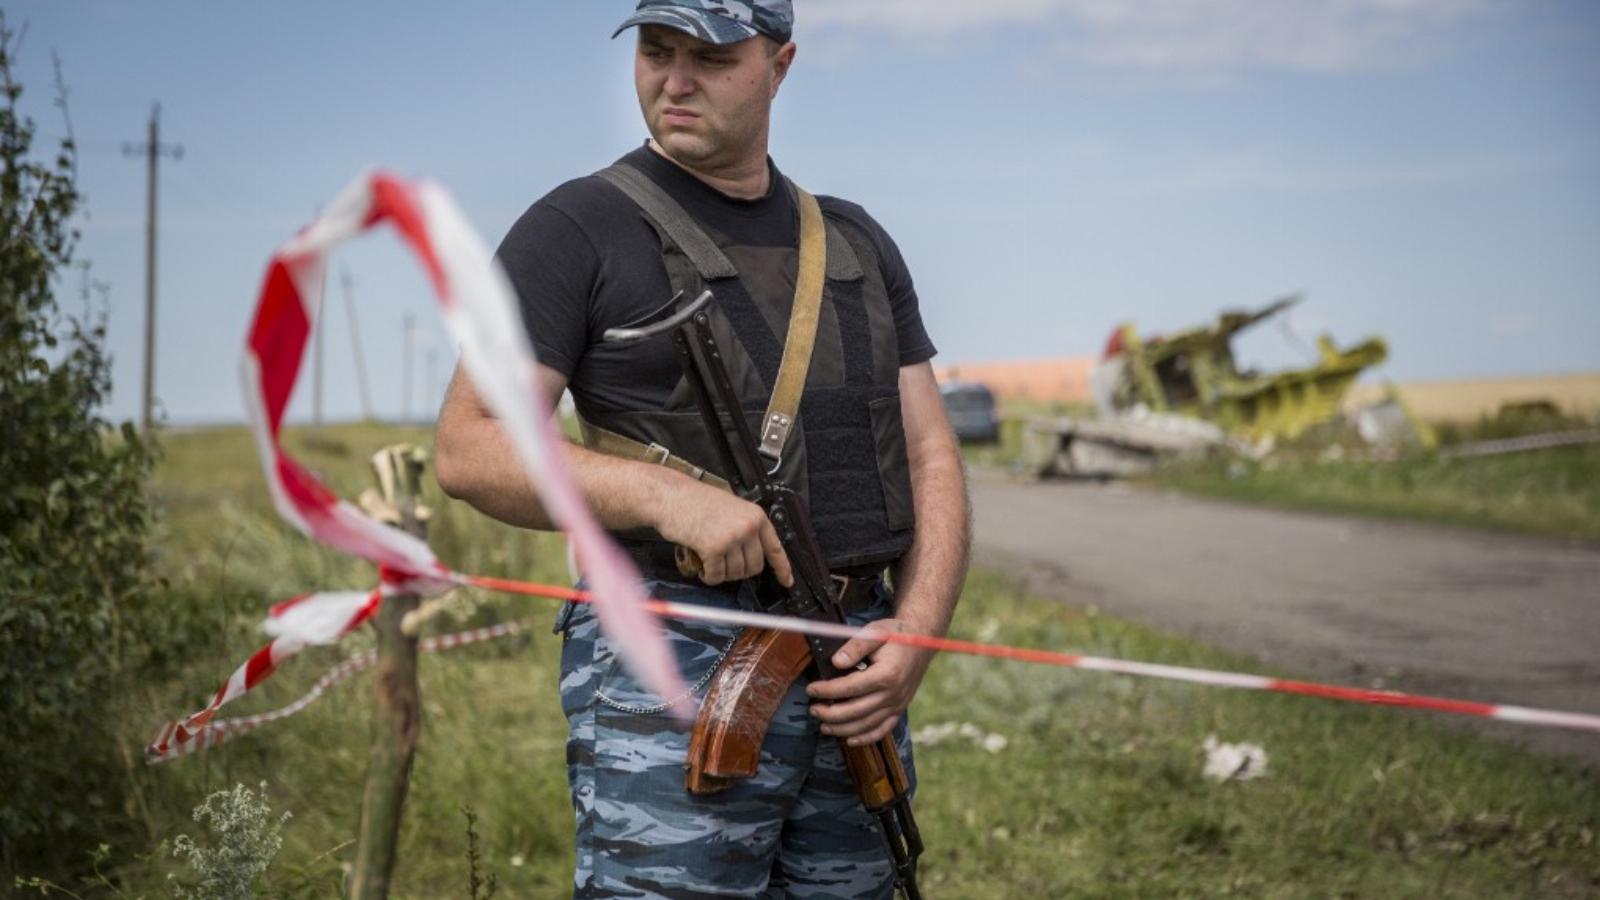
894 471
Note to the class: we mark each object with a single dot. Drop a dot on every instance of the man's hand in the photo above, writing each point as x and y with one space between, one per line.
731 535
864 705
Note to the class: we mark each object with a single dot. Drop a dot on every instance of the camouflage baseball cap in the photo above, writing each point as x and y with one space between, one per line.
717 21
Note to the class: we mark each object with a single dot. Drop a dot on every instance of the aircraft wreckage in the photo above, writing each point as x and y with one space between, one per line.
1183 394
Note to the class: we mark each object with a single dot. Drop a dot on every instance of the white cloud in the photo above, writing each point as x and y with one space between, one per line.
1184 36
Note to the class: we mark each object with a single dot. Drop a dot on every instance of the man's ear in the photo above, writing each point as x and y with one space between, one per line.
781 61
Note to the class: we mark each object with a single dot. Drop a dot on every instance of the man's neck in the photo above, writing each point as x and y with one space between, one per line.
749 181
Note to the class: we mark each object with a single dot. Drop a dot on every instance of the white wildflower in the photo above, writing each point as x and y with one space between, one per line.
244 839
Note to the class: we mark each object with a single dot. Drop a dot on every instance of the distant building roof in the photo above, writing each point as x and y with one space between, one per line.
1046 380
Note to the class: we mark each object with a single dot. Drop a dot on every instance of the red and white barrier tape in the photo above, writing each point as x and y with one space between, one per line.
221 731
480 310
1525 715
355 608
211 733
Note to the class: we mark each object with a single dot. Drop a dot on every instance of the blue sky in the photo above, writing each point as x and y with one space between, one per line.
1428 170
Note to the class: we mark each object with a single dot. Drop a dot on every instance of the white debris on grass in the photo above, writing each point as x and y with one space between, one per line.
989 630
931 735
1233 762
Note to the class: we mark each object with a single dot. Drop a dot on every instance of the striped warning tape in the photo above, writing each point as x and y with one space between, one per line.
210 733
1521 714
219 731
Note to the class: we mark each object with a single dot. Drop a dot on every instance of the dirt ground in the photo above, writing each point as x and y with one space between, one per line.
1466 614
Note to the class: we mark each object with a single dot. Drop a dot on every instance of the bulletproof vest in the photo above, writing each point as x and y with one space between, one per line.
846 451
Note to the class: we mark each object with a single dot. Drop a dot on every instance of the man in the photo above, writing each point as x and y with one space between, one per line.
871 448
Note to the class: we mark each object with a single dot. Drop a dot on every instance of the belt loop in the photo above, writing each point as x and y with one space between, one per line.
564 618
746 598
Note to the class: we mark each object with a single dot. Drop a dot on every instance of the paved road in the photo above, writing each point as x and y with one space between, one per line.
1473 615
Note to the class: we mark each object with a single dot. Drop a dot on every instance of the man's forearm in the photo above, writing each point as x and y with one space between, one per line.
928 578
476 463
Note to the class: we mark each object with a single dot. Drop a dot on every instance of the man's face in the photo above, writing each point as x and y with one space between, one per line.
707 104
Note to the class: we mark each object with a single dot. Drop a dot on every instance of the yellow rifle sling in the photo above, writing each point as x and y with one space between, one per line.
802 334
612 444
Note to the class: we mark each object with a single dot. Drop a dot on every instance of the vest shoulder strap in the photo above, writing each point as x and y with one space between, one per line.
843 264
708 259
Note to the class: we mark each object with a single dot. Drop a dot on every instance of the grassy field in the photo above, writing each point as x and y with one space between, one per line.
1551 492
1097 792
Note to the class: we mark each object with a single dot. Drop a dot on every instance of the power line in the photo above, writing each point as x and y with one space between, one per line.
316 358
405 368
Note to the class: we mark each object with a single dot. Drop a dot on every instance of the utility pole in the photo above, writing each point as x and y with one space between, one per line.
316 354
430 358
82 266
355 343
152 150
405 369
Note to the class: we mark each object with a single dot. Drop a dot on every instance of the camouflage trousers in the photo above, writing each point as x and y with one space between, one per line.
797 829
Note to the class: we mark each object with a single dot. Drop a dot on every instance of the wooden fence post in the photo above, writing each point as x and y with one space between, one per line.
397 712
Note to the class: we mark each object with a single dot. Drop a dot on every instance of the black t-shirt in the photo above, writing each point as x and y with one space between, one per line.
583 259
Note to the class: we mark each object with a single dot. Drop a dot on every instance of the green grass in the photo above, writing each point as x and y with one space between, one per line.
1097 794
1550 492
1099 791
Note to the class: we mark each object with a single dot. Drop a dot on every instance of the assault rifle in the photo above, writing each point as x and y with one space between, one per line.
816 594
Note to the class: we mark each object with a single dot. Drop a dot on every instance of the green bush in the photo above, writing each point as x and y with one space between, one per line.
73 526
